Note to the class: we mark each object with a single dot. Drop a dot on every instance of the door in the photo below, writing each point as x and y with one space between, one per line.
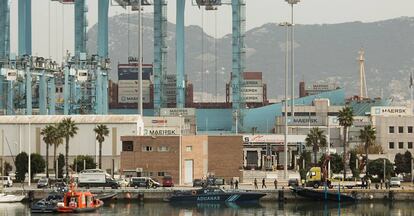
188 171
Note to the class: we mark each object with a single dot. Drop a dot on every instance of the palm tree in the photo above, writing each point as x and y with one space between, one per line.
57 141
316 139
48 138
101 132
345 118
367 135
68 129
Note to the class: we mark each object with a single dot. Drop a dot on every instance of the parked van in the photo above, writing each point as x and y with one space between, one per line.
7 181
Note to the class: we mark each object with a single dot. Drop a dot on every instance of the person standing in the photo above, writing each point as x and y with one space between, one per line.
231 183
236 184
275 182
264 183
255 184
369 183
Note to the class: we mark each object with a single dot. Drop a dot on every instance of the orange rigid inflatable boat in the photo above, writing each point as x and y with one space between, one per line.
76 201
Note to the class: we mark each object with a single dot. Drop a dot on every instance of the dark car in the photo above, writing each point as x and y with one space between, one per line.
167 181
142 182
293 182
43 183
199 183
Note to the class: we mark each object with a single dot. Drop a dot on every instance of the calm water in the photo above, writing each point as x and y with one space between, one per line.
262 209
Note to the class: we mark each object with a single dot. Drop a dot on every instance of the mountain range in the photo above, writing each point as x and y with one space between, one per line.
323 53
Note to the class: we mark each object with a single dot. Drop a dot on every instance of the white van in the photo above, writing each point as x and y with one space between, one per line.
7 181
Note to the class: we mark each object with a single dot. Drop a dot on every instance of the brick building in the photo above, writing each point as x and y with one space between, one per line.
201 155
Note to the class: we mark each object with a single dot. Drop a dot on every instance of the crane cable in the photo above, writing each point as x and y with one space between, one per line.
215 54
202 55
129 52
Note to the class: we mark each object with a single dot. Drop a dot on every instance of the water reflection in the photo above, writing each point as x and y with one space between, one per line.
231 209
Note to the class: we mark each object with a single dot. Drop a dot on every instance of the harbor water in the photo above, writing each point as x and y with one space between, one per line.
230 209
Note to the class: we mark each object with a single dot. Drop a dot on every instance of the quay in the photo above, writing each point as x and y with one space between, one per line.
280 195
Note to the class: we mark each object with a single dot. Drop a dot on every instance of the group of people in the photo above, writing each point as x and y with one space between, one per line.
263 183
234 184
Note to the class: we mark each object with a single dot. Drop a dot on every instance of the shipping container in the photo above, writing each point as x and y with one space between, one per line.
252 90
252 75
253 83
130 72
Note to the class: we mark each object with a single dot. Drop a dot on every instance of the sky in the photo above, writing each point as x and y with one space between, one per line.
58 19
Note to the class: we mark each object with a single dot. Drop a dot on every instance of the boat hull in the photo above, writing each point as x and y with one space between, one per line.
217 198
322 195
65 209
11 198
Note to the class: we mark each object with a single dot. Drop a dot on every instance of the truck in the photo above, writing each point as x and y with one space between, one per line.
315 177
96 179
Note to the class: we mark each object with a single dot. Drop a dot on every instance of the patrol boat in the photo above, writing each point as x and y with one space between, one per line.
214 194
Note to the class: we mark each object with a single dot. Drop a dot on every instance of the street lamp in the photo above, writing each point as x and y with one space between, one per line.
180 153
140 107
286 24
30 149
292 63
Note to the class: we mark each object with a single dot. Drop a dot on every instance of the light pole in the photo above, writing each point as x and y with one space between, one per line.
140 109
292 63
30 150
180 153
286 24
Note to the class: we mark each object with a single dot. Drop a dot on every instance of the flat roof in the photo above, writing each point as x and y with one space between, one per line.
79 119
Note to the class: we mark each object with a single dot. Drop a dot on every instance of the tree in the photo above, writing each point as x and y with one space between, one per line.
21 166
376 167
78 163
304 163
48 138
353 163
57 141
373 149
61 164
315 139
68 129
403 162
101 132
336 162
367 136
7 168
37 164
345 118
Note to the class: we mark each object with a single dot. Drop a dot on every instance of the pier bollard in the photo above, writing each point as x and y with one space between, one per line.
140 196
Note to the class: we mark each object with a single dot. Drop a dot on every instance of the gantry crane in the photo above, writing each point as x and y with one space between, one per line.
238 52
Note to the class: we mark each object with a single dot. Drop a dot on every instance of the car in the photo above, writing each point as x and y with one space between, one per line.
167 181
199 183
293 182
142 182
43 183
7 181
395 182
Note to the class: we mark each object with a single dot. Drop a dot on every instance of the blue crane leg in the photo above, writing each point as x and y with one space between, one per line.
42 94
180 54
52 96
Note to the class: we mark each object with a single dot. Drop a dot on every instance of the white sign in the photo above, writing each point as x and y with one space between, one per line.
390 111
252 98
361 121
177 111
273 138
252 90
161 131
132 99
305 120
152 122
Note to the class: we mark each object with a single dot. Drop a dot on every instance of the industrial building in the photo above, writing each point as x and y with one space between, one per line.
198 155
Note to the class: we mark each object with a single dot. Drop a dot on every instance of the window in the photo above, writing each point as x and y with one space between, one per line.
391 145
161 173
127 146
400 145
410 145
391 129
400 129
147 148
163 149
188 148
410 129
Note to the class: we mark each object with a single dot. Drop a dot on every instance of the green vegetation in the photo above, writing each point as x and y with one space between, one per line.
346 119
367 136
101 132
78 163
403 163
68 129
21 166
315 139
